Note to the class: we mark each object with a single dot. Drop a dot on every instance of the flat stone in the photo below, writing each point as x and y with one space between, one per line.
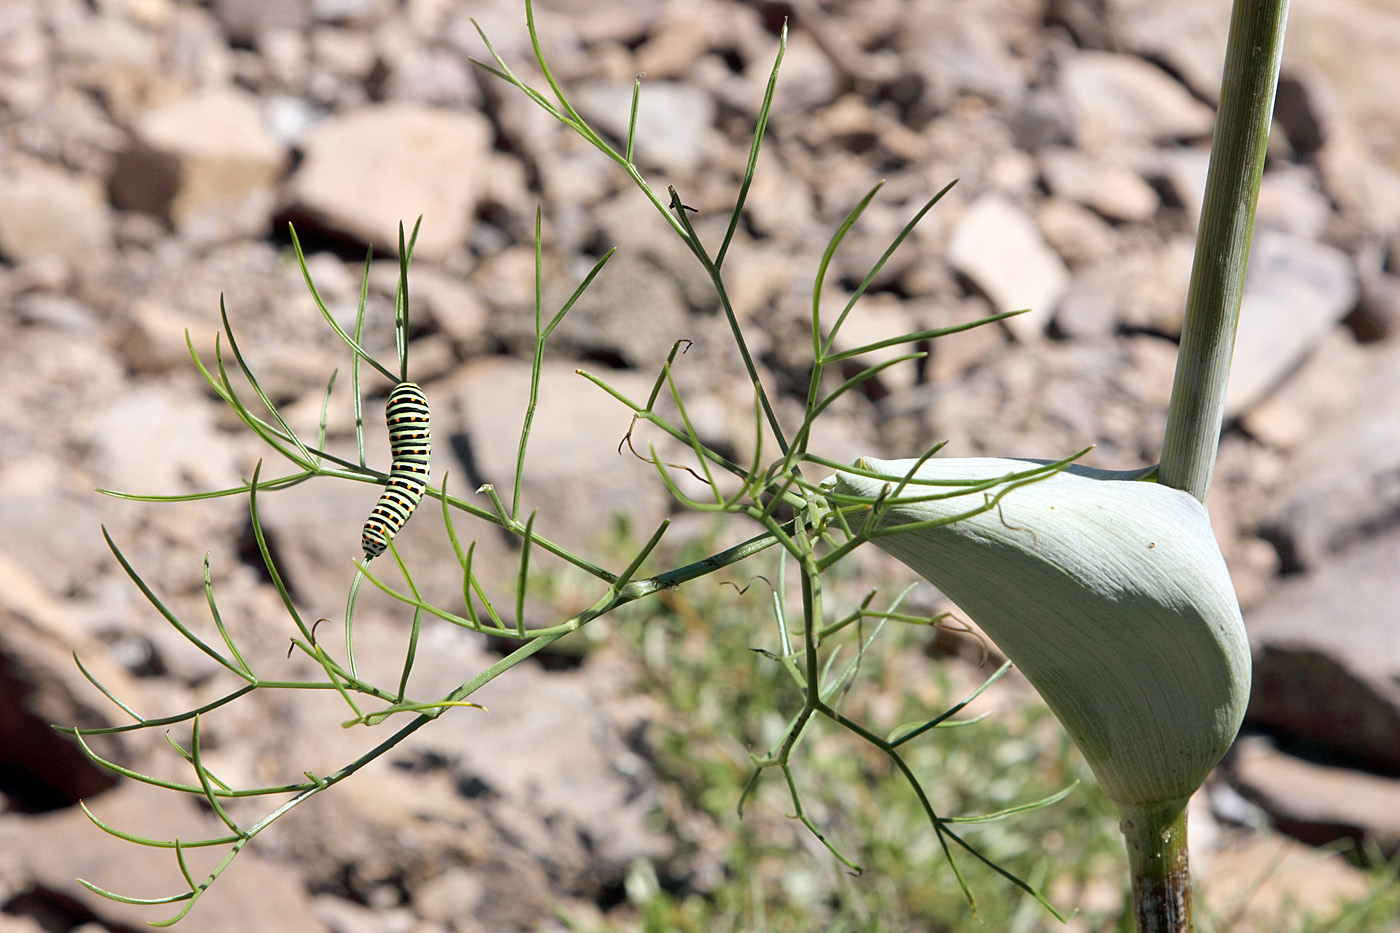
1266 881
878 317
1144 290
1183 173
1361 186
1341 488
42 687
368 170
675 131
1292 201
1078 234
951 356
633 311
51 849
57 523
1115 191
1378 316
956 52
573 451
1322 390
47 213
1296 290
1042 119
1121 100
1327 657
1355 44
1000 249
194 454
246 20
1315 802
1188 35
206 162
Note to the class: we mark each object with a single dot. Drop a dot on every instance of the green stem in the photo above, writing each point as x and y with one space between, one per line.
1252 56
1156 839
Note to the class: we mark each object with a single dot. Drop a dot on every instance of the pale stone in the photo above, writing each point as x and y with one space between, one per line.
1115 191
998 246
207 161
47 213
371 169
674 121
1118 100
1295 292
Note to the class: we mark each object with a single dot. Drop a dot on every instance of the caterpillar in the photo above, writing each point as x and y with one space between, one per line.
410 447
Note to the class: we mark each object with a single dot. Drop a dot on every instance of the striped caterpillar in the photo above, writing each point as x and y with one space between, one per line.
410 448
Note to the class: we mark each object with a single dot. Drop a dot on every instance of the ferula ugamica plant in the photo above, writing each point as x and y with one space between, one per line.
1109 594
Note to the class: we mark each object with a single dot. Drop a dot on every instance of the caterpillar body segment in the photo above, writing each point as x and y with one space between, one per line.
410 447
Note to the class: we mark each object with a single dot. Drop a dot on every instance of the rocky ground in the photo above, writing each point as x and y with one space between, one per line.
153 151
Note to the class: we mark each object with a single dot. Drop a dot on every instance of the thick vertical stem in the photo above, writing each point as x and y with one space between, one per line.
1252 56
1157 857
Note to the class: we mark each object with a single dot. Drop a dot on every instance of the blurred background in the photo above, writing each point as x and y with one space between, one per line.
152 154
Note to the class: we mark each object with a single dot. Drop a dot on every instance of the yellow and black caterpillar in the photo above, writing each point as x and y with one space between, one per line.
410 447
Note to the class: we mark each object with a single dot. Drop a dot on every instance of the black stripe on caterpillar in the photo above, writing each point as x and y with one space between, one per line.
410 447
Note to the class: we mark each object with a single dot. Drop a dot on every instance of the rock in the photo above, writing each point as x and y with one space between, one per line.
346 916
551 755
1189 38
47 213
1265 882
1356 44
675 131
1142 290
1341 488
955 354
1119 100
632 312
447 302
1304 112
1322 390
631 224
342 56
1049 400
1327 658
1115 191
369 170
207 162
497 813
114 58
1290 201
1183 176
40 687
1378 315
955 52
344 10
246 21
573 453
153 342
877 317
255 894
1362 187
780 205
1317 802
808 79
1075 232
1295 292
998 247
58 523
1043 119
63 373
152 440
438 77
